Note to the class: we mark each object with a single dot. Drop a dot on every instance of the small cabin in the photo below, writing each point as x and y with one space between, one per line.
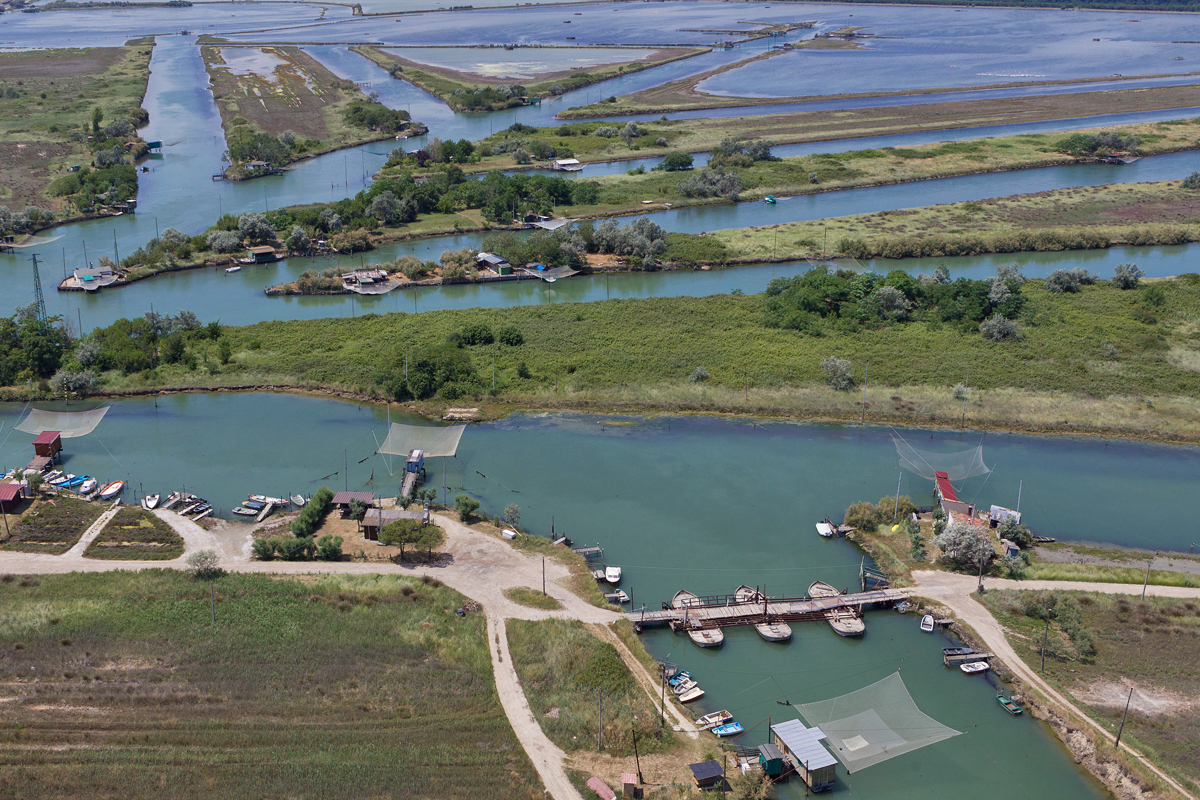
48 444
262 254
566 164
802 748
493 262
10 495
708 774
629 782
771 760
378 518
341 500
415 462
254 166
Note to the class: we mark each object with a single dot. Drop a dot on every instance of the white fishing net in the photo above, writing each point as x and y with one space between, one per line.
68 423
875 723
403 439
958 466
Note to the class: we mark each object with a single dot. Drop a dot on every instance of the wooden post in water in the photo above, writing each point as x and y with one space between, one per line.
1121 730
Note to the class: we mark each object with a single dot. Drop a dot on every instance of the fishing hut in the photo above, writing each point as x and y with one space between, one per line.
378 518
10 495
341 500
708 774
802 753
48 444
414 468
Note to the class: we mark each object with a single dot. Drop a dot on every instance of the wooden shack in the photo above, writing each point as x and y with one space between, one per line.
377 518
770 758
708 774
802 750
262 254
48 444
10 495
629 782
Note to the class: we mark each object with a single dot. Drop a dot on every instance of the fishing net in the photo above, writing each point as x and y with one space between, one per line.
68 423
958 466
874 723
403 439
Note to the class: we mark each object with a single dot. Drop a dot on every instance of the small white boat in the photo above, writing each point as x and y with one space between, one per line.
774 631
243 511
298 501
694 694
825 529
713 720
112 490
88 486
232 269
975 667
63 480
621 596
685 599
685 686
262 498
51 477
711 637
150 502
822 589
927 623
508 534
612 574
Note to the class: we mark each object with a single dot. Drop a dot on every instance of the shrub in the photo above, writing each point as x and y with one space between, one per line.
837 373
312 514
964 544
1062 280
714 182
1192 181
223 241
699 375
1126 276
477 333
329 548
511 336
296 549
1153 295
863 515
264 549
466 506
205 565
357 509
999 328
675 161
401 533
512 514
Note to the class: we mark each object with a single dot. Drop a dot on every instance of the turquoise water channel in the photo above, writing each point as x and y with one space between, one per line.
704 504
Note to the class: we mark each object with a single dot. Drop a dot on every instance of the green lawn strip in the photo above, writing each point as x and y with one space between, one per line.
565 672
365 686
1124 631
532 598
135 533
53 525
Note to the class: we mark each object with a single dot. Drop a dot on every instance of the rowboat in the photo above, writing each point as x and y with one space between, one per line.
685 687
88 486
298 500
150 502
684 599
612 574
51 477
713 720
822 589
774 631
244 511
261 498
232 269
694 694
112 490
729 729
845 623
62 480
621 595
202 510
1008 705
956 651
679 677
975 667
927 623
75 480
253 504
744 594
189 509
711 637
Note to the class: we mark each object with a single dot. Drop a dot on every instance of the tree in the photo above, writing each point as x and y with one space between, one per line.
512 514
999 328
837 373
384 208
965 544
329 221
1126 276
511 336
97 118
298 241
431 537
1192 181
1016 533
256 227
224 350
466 506
35 481
401 533
678 160
357 509
205 565
223 241
329 548
264 549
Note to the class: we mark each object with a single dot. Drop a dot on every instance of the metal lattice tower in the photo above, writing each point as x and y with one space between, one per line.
39 300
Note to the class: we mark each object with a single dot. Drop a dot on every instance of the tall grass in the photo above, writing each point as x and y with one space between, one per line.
1041 571
365 686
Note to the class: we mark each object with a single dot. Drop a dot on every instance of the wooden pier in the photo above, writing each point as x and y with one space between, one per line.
954 659
724 610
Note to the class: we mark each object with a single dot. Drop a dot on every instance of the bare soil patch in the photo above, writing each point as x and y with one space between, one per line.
26 168
1148 700
292 98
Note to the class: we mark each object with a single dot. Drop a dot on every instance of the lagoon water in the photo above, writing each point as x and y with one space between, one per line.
704 504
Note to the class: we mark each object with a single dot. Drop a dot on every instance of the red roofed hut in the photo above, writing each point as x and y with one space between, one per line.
48 444
10 495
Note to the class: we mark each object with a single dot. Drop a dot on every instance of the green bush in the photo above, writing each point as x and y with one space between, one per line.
264 549
466 506
329 548
312 514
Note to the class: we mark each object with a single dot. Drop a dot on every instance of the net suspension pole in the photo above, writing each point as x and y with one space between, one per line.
1020 486
866 372
896 511
966 388
1121 730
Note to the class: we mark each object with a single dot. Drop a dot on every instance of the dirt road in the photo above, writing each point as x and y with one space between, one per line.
954 591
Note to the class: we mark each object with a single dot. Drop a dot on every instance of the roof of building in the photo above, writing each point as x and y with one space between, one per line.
47 437
628 777
944 486
262 248
491 258
770 752
342 498
804 744
552 224
378 517
706 770
9 491
566 161
600 788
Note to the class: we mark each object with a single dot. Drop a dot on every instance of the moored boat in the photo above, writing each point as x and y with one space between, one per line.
172 499
299 501
927 623
744 594
728 729
714 719
150 502
262 498
243 511
621 596
710 637
679 677
112 490
88 486
694 694
774 631
51 477
63 480
75 480
612 574
254 504
825 529
685 687
1008 705
975 667
845 623
232 269
822 589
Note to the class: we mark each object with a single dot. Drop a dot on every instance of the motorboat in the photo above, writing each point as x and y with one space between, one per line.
685 687
713 720
254 504
88 486
679 677
51 477
245 511
1008 705
150 502
75 480
728 729
112 490
975 667
927 623
825 529
774 631
63 480
232 269
710 637
612 574
621 595
262 498
694 694
299 501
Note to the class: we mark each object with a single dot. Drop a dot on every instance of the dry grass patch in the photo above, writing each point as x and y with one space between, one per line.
136 534
53 525
532 598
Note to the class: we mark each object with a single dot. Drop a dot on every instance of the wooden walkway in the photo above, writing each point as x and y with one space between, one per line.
717 615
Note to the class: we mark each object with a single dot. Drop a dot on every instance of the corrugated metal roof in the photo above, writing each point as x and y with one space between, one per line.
341 498
706 770
943 483
804 744
770 752
9 491
47 437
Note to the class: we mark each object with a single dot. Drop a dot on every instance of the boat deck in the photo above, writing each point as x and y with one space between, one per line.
707 614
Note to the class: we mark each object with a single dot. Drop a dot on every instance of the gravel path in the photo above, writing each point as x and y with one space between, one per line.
91 533
954 591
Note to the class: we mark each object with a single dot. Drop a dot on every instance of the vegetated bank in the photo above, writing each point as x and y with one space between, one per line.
470 91
285 105
1098 648
68 141
1065 354
337 686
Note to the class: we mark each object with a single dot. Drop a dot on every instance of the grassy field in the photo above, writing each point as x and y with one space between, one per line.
449 84
135 533
1095 361
1164 720
564 670
1085 217
1042 571
532 598
53 525
48 95
304 688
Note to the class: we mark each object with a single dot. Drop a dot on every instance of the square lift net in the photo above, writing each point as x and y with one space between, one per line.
875 723
403 439
69 424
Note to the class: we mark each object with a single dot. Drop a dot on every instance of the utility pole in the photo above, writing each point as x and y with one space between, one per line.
1045 641
637 759
1020 487
1147 581
1121 730
863 422
962 423
39 300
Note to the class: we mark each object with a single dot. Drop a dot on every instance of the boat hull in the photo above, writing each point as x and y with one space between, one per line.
774 631
707 638
694 694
